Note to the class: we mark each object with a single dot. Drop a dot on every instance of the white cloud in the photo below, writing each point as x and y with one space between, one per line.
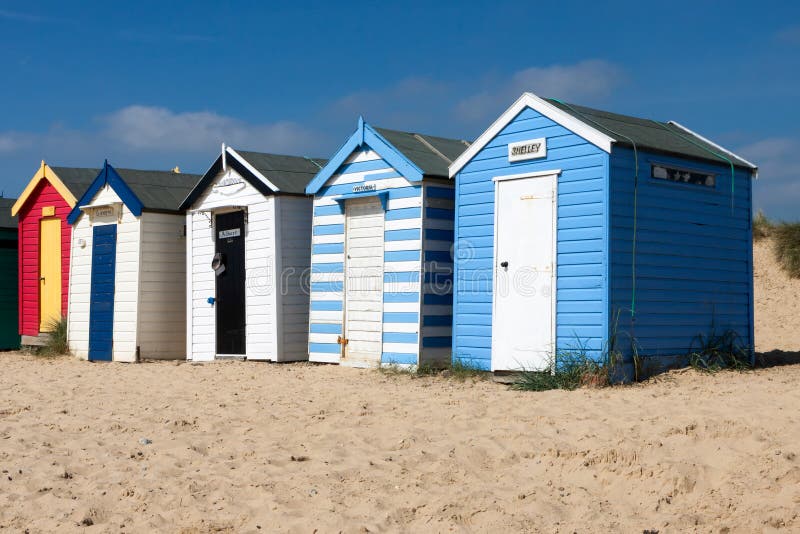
437 106
777 191
586 82
13 141
160 129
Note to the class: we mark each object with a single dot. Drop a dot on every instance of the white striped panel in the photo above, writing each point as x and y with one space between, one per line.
400 287
324 201
436 244
436 331
390 307
401 266
356 177
400 203
327 258
320 220
362 155
443 203
401 328
410 348
407 224
431 309
439 224
323 357
318 316
438 353
324 239
326 295
432 289
408 244
327 277
315 337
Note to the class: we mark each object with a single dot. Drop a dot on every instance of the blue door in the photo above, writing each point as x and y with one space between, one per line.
101 304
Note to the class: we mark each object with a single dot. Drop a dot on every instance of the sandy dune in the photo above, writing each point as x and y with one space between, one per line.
389 453
248 447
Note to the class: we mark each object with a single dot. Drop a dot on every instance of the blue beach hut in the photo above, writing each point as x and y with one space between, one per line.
381 264
582 230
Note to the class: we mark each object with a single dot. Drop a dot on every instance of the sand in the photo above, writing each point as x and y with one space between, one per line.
238 446
255 447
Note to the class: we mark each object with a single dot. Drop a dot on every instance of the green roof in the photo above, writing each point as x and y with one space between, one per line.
76 179
6 220
649 134
433 155
290 174
159 190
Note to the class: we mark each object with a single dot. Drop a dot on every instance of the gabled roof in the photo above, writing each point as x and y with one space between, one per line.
290 174
267 173
140 190
431 154
6 219
70 182
604 129
415 156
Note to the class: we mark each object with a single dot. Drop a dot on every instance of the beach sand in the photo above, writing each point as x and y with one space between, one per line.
256 447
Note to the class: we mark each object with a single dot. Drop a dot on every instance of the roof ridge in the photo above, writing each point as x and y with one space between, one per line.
431 147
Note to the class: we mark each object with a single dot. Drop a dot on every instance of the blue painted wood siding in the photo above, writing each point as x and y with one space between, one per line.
437 245
693 255
101 306
581 295
402 260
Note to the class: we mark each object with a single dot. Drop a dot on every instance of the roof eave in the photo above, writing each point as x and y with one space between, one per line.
530 100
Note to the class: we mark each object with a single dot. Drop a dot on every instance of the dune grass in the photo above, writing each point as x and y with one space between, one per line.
57 339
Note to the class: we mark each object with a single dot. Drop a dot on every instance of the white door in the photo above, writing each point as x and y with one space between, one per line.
524 266
363 289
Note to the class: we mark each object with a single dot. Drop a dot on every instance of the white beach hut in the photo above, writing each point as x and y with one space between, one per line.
248 254
127 282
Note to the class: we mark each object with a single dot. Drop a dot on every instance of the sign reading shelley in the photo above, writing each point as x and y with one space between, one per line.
530 149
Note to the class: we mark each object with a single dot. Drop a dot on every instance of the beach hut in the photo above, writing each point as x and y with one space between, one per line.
127 297
583 231
9 291
44 238
248 251
381 275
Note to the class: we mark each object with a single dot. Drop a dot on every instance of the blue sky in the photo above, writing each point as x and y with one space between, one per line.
154 84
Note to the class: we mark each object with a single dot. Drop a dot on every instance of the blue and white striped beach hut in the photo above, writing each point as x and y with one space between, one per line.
381 274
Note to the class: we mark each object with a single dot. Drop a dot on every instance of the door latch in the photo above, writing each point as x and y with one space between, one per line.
342 341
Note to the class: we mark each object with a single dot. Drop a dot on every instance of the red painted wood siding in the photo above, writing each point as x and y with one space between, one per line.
29 217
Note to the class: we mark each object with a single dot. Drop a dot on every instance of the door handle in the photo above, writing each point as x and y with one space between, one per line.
504 264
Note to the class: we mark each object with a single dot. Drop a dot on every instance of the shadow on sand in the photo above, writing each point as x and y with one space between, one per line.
774 358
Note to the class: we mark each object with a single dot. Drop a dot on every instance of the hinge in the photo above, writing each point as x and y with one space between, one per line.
342 341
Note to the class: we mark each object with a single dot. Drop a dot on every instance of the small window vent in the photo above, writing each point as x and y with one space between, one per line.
685 176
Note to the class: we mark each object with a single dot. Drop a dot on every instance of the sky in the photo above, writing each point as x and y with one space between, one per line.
155 84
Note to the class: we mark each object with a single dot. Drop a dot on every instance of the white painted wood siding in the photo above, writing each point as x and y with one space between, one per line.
260 287
294 224
126 281
162 295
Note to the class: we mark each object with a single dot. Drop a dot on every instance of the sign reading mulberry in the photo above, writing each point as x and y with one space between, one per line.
531 149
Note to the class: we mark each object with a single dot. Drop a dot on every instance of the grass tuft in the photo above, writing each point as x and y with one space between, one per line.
787 247
572 370
762 227
57 340
464 369
717 351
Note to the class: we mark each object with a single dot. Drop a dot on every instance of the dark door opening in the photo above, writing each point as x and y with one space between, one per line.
230 283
